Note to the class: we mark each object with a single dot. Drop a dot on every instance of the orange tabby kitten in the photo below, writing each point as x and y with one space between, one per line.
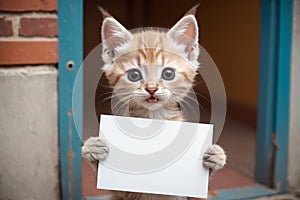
151 71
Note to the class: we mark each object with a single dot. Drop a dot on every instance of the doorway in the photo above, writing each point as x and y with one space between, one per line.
220 35
232 39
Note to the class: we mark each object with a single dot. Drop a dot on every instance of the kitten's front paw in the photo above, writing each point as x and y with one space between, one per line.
214 158
94 149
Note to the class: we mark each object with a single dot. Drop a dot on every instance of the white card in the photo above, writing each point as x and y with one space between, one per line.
154 156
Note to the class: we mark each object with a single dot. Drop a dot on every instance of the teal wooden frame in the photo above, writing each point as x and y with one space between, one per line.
70 26
274 76
267 91
283 94
274 82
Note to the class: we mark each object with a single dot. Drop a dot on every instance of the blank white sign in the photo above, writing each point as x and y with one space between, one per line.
154 156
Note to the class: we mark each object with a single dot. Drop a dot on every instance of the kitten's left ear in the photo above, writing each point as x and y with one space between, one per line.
113 35
185 32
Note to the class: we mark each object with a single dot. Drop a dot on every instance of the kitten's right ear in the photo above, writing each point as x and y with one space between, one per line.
114 35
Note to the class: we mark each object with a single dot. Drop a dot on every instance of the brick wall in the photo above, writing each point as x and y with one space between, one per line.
29 163
28 32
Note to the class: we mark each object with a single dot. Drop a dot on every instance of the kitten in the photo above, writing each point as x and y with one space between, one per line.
151 71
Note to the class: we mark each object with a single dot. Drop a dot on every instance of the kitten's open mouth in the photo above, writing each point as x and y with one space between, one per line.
152 99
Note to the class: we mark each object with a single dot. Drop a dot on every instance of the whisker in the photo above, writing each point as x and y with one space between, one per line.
198 83
101 94
186 106
197 94
105 86
119 110
119 101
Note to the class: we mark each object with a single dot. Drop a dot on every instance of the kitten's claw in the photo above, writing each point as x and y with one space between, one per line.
214 158
93 150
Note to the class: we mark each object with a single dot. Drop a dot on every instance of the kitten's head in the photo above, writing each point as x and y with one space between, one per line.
150 67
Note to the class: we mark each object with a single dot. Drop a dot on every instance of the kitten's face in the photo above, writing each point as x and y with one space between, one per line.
149 68
151 83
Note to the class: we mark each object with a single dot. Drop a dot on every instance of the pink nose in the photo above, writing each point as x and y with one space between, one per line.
151 90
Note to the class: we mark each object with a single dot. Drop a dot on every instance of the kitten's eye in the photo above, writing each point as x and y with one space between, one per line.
134 75
168 74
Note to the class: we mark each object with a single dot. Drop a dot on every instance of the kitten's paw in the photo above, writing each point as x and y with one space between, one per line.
94 149
214 158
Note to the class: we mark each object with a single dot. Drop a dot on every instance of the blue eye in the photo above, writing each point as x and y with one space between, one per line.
134 75
168 74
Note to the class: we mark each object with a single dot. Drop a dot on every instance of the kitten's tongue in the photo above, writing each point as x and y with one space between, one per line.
152 100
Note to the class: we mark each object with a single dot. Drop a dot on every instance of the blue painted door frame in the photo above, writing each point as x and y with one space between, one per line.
70 27
273 111
274 82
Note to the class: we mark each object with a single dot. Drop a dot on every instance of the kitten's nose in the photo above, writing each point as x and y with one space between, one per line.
151 90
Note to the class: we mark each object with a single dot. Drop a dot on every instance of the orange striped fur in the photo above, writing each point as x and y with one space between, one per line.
150 51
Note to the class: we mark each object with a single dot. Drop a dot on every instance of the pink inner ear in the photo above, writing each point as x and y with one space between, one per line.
114 34
188 37
113 40
190 31
108 31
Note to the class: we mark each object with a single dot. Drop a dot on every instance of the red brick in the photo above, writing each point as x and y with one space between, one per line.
38 27
28 5
5 27
29 52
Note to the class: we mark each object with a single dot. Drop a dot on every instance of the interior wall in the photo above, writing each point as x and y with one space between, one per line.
229 30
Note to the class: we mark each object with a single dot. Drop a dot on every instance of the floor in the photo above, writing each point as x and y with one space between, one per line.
239 142
279 197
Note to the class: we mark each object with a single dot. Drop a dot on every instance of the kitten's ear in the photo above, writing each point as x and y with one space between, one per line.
104 12
113 36
193 10
185 32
